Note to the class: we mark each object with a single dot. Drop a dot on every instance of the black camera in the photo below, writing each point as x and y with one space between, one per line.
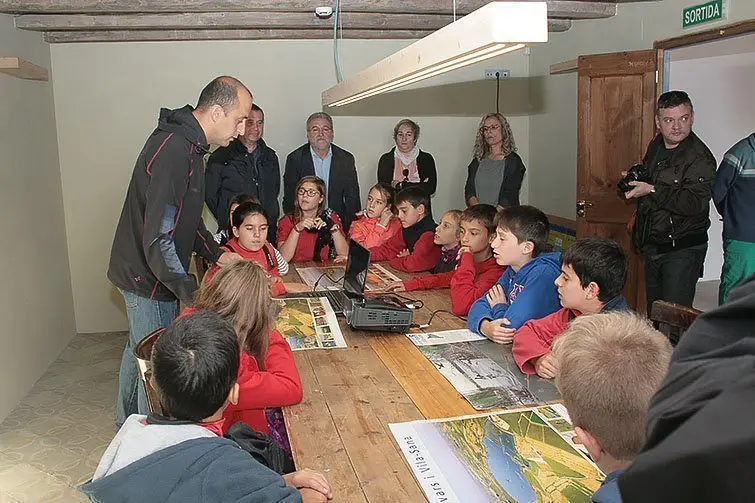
637 173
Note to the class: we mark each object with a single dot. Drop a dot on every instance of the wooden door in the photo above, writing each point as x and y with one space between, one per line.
616 101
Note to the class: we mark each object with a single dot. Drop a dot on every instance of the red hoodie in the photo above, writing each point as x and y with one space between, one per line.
468 282
535 338
423 258
278 385
265 257
369 233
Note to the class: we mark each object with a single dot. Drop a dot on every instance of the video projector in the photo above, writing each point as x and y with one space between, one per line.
377 314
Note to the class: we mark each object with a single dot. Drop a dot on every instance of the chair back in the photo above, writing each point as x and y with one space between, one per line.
672 319
143 354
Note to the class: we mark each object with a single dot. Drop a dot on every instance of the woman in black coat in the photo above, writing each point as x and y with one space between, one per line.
406 164
496 172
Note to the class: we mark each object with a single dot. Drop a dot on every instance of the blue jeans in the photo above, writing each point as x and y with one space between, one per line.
144 317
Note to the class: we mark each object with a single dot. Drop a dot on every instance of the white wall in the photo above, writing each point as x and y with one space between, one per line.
721 89
107 98
553 133
36 306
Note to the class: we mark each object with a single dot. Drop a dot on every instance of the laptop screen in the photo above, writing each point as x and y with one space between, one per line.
356 269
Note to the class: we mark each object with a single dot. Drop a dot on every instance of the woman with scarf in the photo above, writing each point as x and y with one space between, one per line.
406 165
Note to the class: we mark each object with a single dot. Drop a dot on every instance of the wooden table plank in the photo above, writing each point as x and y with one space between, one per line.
363 398
315 441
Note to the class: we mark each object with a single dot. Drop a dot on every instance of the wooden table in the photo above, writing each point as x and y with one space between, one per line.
351 396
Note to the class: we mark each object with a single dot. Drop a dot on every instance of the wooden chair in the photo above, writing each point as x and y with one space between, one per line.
672 319
201 266
143 354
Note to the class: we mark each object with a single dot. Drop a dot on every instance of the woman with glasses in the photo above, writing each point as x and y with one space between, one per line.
496 171
312 231
406 165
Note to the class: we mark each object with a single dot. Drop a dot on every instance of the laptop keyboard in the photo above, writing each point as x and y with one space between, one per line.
335 297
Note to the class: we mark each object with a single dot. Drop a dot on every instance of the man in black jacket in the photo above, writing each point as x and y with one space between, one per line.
320 157
161 221
246 166
672 222
701 436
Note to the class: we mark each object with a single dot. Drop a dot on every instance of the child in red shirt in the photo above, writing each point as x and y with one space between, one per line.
593 273
312 231
476 270
376 223
413 249
268 376
249 225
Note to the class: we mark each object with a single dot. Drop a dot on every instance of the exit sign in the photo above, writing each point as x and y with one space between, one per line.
704 13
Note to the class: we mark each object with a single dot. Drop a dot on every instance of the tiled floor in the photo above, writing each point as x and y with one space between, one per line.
54 439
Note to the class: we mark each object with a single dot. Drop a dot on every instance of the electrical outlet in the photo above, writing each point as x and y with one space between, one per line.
491 73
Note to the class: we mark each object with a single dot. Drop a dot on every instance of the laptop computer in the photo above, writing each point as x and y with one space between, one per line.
354 280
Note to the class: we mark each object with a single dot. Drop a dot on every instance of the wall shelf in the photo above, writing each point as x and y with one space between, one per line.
22 69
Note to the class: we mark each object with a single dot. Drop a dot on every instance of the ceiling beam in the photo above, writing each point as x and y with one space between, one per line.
554 25
271 20
163 6
229 20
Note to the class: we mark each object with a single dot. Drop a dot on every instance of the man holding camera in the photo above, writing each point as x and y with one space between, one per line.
673 187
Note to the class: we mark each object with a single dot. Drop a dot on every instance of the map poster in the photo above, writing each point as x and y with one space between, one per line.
331 278
512 456
484 382
309 324
444 337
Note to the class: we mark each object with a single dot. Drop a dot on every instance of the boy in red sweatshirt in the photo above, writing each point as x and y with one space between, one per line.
413 249
593 273
476 270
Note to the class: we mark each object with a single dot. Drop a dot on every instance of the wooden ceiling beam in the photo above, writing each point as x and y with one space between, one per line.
228 20
60 37
599 8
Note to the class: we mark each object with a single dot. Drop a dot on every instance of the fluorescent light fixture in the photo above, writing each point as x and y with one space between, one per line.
492 30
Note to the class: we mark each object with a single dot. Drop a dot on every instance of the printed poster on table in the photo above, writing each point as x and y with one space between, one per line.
484 382
523 455
309 323
331 278
444 337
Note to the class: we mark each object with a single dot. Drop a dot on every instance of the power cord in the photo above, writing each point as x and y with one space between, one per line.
432 315
314 287
497 91
417 303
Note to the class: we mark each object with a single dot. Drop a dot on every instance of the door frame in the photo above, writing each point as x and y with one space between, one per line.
719 33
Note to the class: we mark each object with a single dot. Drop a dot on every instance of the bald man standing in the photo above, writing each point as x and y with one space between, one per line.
161 221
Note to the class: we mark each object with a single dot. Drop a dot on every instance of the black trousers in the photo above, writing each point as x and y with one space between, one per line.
672 276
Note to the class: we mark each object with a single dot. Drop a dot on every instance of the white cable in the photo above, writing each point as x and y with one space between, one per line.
336 49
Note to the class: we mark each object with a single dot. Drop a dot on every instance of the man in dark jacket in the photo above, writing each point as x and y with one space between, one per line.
161 221
701 436
246 166
672 222
320 157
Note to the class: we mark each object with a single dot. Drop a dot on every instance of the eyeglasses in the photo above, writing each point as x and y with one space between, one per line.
495 127
309 192
323 130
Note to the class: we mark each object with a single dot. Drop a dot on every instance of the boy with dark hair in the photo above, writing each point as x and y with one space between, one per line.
476 269
525 291
610 364
183 457
413 249
593 273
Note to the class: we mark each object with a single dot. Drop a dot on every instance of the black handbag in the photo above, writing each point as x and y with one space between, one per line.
262 448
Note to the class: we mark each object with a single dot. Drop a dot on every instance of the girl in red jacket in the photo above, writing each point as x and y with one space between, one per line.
312 231
249 225
268 376
377 222
474 270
